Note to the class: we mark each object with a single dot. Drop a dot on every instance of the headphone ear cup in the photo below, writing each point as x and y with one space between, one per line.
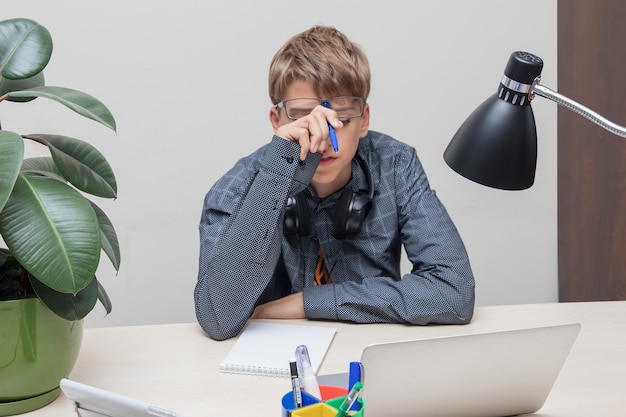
296 220
341 213
351 210
290 220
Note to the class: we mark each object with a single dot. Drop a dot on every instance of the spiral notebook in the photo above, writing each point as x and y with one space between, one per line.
266 348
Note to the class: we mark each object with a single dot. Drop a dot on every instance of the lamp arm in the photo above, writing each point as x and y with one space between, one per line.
576 107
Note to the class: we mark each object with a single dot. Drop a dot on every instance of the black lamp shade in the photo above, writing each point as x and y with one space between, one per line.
496 146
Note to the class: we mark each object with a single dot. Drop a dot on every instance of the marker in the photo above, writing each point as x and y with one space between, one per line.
331 131
353 378
351 398
305 372
295 385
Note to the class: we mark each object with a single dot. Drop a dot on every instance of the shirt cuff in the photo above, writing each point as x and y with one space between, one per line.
320 302
286 154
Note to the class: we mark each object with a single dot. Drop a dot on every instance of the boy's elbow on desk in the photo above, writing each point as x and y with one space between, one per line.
217 332
215 327
464 308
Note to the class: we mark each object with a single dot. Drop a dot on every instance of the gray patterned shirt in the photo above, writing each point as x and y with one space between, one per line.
246 259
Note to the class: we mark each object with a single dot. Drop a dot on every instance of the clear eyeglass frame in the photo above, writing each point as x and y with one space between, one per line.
347 107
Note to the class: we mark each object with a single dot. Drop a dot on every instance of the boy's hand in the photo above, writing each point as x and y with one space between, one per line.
311 131
289 307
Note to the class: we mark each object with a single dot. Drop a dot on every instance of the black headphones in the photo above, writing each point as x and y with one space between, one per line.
351 210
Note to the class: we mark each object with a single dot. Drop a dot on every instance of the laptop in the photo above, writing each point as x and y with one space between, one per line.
494 374
95 402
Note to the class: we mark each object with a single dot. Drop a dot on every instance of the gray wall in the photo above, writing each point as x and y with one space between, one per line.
187 82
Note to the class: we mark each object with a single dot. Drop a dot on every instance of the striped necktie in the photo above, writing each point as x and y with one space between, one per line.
321 272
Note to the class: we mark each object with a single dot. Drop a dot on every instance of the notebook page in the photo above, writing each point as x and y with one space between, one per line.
266 348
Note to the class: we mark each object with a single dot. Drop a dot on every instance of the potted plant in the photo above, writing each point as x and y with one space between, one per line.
54 234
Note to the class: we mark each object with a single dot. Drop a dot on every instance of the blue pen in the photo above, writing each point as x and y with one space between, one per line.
354 376
331 131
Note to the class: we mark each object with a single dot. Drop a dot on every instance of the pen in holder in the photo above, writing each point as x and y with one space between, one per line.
354 376
350 400
306 374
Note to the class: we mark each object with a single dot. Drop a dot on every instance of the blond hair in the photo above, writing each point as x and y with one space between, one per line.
324 57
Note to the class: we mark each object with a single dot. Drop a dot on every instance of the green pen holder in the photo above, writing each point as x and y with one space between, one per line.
328 408
336 402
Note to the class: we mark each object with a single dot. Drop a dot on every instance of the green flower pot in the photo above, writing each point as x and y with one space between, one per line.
37 350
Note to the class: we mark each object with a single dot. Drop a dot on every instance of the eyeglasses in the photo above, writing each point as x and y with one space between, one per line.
346 107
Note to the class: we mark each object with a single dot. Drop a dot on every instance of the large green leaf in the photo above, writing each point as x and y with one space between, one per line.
5 256
42 165
104 299
7 85
25 48
53 232
68 306
11 154
108 241
81 163
82 103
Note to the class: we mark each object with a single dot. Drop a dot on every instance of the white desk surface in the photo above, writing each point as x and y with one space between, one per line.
175 366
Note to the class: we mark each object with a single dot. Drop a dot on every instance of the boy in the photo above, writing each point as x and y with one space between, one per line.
299 230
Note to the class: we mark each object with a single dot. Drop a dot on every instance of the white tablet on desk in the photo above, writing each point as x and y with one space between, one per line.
95 402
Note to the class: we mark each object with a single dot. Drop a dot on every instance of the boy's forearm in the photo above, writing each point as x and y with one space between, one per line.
239 260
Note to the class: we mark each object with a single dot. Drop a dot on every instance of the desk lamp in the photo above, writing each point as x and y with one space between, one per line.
496 146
